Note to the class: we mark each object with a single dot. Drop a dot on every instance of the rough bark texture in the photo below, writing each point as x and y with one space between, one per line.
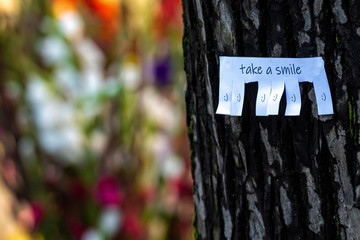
274 177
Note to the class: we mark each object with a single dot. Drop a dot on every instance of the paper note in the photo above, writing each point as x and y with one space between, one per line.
238 90
225 86
277 89
273 76
264 89
293 97
323 94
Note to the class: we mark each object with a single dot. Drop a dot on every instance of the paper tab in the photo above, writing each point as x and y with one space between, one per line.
293 97
323 94
225 86
277 89
264 89
238 90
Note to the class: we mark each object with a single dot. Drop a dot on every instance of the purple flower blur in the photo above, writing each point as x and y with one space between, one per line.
162 70
108 192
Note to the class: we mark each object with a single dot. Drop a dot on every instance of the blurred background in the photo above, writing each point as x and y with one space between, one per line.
93 142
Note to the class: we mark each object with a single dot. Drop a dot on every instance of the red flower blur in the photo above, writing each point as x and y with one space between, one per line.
107 10
168 14
132 226
37 213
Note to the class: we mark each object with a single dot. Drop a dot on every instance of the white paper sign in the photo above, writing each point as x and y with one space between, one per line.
277 89
272 75
264 89
293 97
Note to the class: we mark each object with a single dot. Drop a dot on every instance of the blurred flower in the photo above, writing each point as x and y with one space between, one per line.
65 142
140 15
29 216
82 104
168 14
55 120
148 194
68 80
36 90
89 54
37 212
98 141
160 146
108 192
110 221
130 73
170 11
61 6
53 50
182 186
160 110
132 225
172 166
71 24
107 10
93 77
162 71
91 60
92 234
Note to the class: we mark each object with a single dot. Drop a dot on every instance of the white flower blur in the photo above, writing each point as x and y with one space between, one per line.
110 221
92 234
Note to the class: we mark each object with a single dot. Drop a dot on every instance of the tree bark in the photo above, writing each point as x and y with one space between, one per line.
274 177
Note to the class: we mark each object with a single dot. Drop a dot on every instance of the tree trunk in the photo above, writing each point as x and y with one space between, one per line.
274 177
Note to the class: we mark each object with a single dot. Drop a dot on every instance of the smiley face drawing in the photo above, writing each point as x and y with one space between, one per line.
293 98
275 97
323 97
238 97
226 97
262 98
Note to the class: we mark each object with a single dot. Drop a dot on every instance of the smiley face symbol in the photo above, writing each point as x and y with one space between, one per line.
262 98
323 97
238 97
293 98
226 97
275 97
